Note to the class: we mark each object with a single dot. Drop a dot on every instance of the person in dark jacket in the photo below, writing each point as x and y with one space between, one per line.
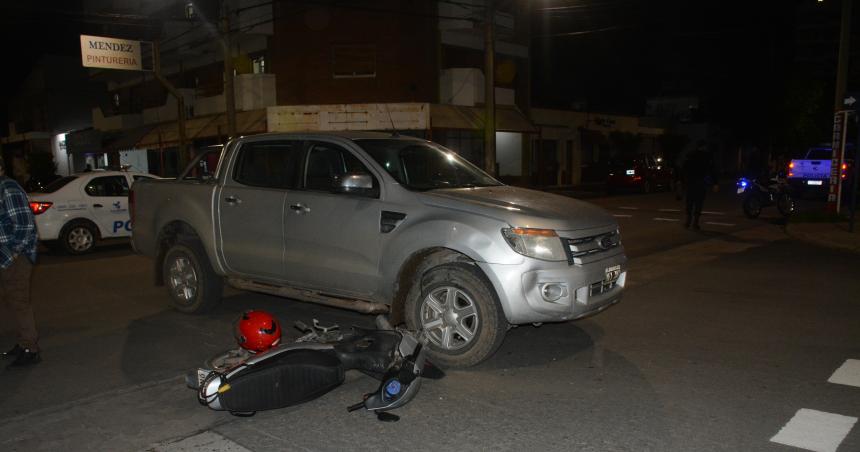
699 174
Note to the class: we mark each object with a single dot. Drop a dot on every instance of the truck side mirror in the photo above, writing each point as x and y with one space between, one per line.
357 184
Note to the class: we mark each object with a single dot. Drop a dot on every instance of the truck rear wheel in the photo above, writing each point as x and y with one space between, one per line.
456 308
192 283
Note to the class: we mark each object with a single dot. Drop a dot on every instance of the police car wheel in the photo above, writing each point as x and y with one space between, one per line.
78 237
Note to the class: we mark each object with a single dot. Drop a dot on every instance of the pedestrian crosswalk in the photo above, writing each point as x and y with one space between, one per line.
636 212
821 431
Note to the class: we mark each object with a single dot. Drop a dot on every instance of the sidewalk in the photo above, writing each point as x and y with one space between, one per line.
831 235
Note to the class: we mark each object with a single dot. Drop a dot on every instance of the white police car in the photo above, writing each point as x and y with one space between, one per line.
76 211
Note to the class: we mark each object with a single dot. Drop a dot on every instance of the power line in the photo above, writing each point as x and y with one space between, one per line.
581 33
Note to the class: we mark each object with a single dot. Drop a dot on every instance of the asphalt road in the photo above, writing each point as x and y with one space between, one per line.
725 341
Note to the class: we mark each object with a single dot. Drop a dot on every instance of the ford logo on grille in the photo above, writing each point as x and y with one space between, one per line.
605 242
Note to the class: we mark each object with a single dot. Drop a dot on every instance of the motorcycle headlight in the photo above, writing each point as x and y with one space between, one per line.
537 243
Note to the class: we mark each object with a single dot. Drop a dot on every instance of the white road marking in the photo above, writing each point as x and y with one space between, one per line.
665 219
621 215
670 210
710 212
202 442
815 430
847 374
717 223
628 208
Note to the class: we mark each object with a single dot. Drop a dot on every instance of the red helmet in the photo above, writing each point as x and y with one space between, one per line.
258 331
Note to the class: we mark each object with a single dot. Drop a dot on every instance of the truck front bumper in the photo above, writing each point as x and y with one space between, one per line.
539 291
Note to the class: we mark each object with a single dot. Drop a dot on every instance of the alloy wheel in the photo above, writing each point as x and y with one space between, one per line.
183 280
80 239
449 316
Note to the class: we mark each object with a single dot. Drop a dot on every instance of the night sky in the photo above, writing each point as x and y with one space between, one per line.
739 57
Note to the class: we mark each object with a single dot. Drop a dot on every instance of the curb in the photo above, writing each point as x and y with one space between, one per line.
825 238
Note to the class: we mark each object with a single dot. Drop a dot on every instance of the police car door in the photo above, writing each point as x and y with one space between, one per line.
107 202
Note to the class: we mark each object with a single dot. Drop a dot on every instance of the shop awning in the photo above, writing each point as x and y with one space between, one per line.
508 119
212 126
124 140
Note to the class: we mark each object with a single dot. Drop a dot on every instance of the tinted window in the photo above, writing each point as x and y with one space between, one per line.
327 163
205 165
107 186
420 165
270 164
136 177
819 154
58 184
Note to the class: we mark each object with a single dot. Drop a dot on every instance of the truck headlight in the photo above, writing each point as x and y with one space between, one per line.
537 243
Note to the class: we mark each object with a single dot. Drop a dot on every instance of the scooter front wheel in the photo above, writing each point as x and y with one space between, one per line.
752 206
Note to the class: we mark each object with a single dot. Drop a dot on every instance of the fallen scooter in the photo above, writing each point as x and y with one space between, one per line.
243 382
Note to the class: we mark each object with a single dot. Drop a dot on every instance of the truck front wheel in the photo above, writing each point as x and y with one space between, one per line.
456 308
192 283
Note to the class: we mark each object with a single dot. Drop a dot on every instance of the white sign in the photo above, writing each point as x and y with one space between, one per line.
339 117
110 53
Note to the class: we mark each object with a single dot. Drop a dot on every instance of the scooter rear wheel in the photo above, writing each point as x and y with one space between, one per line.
785 204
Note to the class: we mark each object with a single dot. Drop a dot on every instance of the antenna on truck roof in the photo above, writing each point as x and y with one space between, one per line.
394 133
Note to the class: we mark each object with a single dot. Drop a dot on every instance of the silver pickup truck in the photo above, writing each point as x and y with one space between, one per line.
378 223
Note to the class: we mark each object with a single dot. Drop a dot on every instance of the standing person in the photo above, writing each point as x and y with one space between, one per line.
17 255
699 174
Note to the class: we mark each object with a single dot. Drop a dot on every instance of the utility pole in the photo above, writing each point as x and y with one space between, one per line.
229 91
837 157
180 102
490 89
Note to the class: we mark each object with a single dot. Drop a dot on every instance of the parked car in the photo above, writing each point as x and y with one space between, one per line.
645 173
75 212
379 224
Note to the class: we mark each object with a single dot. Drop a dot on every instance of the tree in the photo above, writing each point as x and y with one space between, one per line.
805 118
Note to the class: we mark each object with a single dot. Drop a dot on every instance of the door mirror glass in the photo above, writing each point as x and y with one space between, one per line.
356 183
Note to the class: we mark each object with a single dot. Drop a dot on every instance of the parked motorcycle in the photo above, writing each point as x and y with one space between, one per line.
242 382
757 196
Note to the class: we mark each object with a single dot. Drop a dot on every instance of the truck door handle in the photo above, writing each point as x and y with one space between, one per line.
232 200
300 208
98 206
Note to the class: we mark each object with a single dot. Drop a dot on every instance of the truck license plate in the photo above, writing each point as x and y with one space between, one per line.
814 182
612 273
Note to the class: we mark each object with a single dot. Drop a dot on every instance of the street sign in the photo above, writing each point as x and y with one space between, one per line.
111 53
849 101
840 125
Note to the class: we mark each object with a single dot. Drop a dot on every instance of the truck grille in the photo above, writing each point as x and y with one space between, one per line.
581 247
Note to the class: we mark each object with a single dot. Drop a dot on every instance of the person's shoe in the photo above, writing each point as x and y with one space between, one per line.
25 358
13 352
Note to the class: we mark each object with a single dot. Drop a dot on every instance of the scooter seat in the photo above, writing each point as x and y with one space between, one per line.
287 379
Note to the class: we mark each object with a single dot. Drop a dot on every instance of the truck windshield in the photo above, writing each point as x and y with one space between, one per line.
420 166
819 154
